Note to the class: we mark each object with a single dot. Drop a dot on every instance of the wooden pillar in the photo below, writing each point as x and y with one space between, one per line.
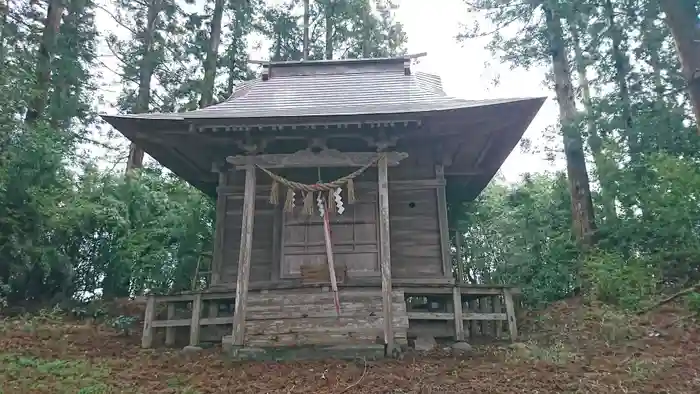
170 331
385 254
442 222
458 256
149 316
510 314
498 308
459 318
457 291
196 316
244 256
220 225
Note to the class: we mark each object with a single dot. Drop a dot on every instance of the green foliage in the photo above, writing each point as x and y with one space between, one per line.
71 229
693 301
30 374
627 283
520 234
123 323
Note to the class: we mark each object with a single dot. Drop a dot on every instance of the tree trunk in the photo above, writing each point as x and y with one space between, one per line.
230 83
595 142
4 10
620 60
681 17
366 31
147 67
581 204
306 30
329 29
652 42
210 62
47 47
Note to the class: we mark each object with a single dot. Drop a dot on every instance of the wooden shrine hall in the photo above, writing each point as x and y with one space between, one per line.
334 182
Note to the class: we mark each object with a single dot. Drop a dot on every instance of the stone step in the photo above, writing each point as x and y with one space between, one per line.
293 353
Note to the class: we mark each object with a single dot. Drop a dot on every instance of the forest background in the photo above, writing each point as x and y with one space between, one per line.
615 213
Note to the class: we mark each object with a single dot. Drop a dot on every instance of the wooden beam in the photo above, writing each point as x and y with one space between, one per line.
335 61
246 247
307 158
278 125
385 253
418 184
442 222
450 316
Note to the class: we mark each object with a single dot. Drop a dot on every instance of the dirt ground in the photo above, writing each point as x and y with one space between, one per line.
567 349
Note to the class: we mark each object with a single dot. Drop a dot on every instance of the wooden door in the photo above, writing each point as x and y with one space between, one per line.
354 235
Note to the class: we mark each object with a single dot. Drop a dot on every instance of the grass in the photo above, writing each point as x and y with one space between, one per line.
568 348
21 374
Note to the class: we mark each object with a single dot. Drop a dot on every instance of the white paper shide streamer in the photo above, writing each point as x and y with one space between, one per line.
338 201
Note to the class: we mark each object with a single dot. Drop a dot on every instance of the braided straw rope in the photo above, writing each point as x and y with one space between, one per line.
309 190
321 187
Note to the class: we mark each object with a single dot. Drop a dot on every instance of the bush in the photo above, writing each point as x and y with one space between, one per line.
626 283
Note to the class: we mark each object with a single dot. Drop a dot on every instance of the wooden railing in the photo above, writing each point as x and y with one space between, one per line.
460 311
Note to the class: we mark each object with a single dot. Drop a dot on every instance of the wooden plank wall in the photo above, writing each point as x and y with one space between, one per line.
284 319
415 231
263 227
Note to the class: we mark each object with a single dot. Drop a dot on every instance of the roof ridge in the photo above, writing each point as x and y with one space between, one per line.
433 82
376 72
243 87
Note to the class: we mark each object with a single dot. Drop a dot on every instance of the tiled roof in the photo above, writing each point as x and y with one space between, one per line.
360 88
297 92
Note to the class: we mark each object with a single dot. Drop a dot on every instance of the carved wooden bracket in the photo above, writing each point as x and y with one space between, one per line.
307 158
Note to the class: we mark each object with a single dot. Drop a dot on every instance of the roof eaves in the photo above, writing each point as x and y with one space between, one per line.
146 116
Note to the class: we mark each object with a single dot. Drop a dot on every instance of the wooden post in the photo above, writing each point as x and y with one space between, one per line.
213 308
457 291
244 256
442 222
170 331
385 254
196 316
486 325
458 255
510 314
459 319
149 316
220 225
474 324
498 308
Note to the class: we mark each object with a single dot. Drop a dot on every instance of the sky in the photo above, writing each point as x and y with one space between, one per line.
467 70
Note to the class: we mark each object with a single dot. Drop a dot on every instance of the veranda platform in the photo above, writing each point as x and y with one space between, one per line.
300 321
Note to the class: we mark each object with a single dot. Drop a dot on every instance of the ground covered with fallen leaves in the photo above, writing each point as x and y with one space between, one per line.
569 348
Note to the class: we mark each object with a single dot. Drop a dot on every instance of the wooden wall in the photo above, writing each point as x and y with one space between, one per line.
414 224
263 229
416 246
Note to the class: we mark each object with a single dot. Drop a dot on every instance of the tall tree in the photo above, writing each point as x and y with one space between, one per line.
682 18
307 16
579 185
47 49
212 55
